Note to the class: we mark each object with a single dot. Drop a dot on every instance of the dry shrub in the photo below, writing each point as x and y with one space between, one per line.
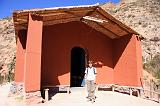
153 66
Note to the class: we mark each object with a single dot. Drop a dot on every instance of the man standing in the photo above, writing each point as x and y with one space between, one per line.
90 75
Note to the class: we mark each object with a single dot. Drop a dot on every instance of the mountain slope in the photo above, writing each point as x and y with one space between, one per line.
7 48
144 17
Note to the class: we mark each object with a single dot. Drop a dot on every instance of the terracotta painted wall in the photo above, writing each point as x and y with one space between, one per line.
119 60
21 46
58 40
32 70
127 61
139 60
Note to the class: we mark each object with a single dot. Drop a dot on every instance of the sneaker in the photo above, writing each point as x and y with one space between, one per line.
87 97
92 101
89 100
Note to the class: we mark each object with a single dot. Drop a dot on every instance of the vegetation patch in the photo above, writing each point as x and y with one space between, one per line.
153 66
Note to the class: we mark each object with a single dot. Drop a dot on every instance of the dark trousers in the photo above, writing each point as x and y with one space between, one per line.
91 89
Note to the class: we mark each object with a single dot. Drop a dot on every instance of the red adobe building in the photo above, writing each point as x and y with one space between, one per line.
54 45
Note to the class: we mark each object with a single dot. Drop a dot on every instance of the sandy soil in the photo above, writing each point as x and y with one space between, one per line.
104 98
78 98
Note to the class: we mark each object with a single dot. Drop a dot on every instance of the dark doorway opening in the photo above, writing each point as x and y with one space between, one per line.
77 66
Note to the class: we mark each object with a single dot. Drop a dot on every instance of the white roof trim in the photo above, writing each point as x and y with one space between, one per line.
19 11
95 19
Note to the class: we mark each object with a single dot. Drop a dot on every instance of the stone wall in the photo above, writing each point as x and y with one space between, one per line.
18 94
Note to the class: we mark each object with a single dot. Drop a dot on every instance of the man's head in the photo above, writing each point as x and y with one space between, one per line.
90 63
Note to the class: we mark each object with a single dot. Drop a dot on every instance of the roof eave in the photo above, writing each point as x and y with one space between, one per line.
20 13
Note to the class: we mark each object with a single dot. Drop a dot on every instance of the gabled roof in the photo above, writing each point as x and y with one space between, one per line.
92 15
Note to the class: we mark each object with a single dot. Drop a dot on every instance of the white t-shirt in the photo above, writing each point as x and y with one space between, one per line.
90 73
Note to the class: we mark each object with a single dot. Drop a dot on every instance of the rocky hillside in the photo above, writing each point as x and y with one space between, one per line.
144 17
7 48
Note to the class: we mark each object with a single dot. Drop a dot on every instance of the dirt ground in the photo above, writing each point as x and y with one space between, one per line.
78 98
104 98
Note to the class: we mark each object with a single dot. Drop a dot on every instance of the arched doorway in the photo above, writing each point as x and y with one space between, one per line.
77 66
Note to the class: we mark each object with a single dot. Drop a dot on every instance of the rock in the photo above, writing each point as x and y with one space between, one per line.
33 98
13 88
155 39
16 89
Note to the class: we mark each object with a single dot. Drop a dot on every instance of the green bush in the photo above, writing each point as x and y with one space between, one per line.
157 74
11 66
10 75
7 18
1 79
153 66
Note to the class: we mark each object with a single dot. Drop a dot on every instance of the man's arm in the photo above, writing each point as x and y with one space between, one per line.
85 75
95 71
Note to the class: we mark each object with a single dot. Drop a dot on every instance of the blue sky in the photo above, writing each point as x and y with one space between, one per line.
8 6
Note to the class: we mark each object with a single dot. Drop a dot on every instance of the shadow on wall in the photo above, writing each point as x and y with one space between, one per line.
22 35
119 46
58 41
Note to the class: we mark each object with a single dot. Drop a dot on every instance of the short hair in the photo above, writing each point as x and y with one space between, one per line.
90 62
